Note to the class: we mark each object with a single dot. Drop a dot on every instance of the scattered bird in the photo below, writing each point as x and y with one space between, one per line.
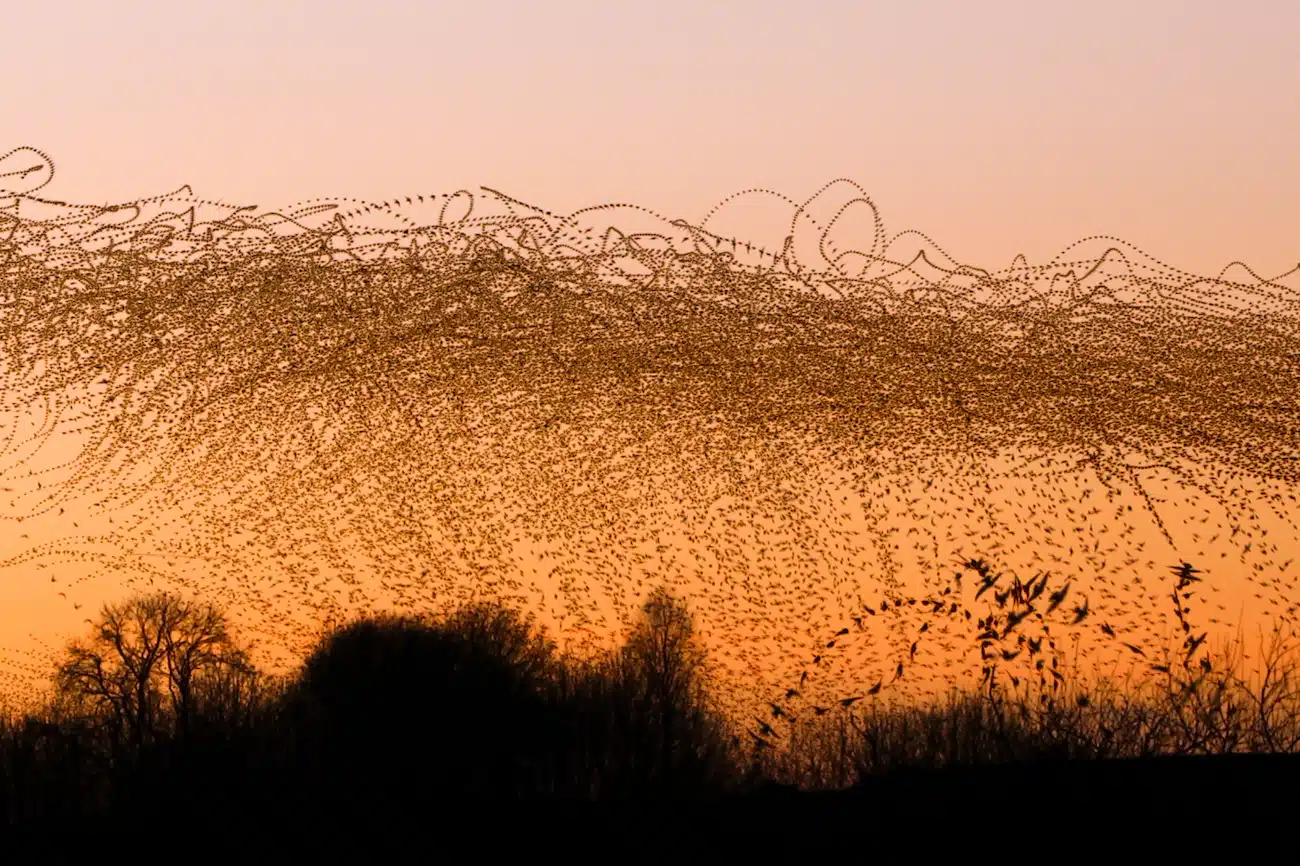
1057 597
396 376
1081 612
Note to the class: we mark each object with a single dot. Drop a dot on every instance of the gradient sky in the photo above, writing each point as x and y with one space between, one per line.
995 127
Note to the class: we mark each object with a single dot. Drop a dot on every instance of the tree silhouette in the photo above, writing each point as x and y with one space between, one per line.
142 666
505 635
391 705
667 667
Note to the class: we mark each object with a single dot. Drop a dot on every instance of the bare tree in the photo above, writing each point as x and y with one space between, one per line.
666 660
143 661
664 649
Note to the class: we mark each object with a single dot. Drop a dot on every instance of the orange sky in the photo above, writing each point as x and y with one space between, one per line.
996 129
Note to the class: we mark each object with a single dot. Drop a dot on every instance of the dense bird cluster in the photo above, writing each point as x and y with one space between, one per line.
348 405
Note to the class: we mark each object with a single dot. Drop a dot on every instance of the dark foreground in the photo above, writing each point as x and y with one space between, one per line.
1114 797
1109 799
348 749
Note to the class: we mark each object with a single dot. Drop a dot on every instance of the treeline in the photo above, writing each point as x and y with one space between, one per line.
159 712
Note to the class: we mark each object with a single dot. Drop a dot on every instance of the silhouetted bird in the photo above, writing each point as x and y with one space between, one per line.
1014 619
1057 597
1081 612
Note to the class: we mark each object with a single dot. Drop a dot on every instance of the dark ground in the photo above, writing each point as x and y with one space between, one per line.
1076 803
1147 797
1097 810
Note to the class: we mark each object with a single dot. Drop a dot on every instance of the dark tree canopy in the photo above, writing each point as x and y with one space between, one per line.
407 701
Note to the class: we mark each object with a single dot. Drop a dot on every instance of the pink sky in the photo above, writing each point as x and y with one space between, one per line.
994 127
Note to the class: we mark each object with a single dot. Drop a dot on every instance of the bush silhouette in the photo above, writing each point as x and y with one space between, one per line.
391 709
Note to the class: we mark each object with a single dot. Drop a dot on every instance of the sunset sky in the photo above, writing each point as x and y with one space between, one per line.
996 127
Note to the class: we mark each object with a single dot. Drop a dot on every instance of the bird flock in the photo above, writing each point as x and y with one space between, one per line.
347 406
